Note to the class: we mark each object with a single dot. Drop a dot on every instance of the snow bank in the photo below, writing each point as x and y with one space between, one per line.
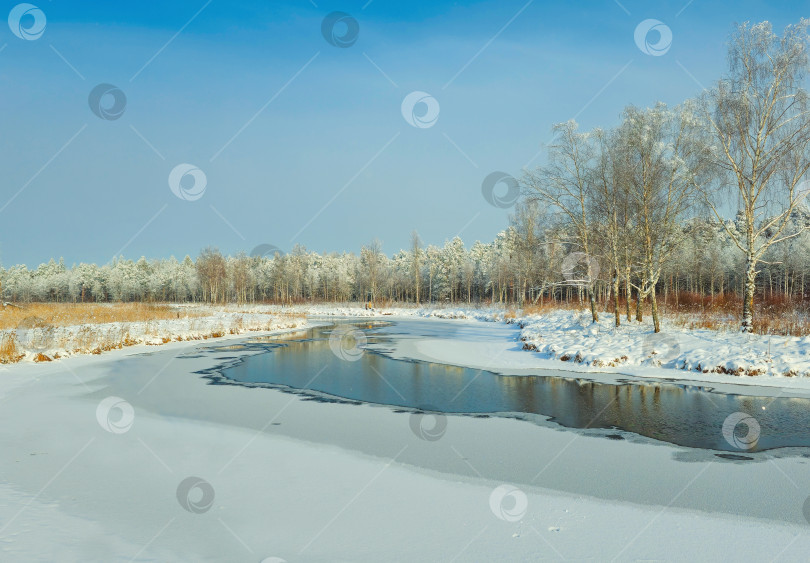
45 343
478 314
572 336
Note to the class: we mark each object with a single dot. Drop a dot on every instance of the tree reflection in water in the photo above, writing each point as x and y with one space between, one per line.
686 415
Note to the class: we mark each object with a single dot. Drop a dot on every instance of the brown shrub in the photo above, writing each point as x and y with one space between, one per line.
8 349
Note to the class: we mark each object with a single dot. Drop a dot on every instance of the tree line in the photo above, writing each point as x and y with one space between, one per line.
534 260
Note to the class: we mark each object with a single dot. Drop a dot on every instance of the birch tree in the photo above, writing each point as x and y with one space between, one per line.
371 257
564 184
609 207
665 164
416 264
211 271
758 116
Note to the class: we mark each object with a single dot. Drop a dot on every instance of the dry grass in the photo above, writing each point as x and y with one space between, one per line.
71 314
548 306
89 336
775 315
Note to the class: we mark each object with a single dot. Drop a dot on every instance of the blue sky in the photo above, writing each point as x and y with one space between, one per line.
304 142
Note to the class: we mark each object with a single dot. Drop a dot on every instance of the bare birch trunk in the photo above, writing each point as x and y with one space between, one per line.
748 300
616 297
629 291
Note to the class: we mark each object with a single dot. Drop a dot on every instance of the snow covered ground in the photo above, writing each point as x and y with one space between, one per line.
132 456
573 336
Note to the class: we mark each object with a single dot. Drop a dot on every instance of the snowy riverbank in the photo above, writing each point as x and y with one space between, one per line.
37 340
718 357
631 349
103 471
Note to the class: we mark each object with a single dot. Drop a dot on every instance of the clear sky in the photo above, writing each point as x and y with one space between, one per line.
302 141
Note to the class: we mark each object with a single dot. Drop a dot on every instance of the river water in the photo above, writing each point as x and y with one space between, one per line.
335 362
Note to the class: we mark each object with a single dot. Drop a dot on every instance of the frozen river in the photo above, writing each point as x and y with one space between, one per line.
348 360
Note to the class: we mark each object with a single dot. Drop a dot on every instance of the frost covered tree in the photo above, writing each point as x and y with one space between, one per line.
211 271
665 163
529 222
416 264
759 118
371 257
609 204
564 184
